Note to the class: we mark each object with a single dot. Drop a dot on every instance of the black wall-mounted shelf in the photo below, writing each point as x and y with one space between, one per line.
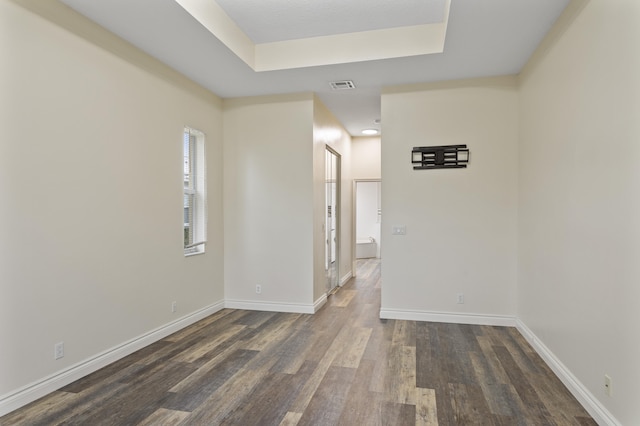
439 157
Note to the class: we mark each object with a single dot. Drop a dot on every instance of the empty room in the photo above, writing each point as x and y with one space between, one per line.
179 239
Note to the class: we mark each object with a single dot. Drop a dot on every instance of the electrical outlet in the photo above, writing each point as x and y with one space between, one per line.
58 350
174 306
258 289
607 385
460 299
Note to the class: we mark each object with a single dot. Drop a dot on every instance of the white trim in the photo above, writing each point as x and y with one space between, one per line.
193 253
450 317
253 305
600 414
29 393
319 303
346 278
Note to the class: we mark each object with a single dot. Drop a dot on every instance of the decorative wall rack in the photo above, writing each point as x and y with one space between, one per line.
439 157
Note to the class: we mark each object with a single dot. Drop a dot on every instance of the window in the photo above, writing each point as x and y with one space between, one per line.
194 205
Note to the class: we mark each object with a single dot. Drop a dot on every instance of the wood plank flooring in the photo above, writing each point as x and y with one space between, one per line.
341 366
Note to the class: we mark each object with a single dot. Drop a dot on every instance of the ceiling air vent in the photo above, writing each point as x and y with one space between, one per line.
342 85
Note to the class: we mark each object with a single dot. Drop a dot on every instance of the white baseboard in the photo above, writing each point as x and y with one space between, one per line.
319 303
600 414
36 390
346 278
450 317
253 305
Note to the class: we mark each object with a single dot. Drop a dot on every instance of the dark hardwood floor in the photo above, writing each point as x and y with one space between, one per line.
341 366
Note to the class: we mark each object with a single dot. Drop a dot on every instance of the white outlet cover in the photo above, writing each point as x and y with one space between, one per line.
58 350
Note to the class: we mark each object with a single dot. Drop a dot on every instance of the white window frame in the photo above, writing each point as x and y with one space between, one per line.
194 186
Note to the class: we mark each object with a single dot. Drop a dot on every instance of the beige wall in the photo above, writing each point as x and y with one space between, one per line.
366 161
274 200
327 130
91 184
461 223
579 228
268 202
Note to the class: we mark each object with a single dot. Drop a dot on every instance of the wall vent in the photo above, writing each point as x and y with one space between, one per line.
342 85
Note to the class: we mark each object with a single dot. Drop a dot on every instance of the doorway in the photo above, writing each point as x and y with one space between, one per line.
368 216
332 219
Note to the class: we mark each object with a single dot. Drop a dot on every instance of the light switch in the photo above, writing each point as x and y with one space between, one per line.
399 230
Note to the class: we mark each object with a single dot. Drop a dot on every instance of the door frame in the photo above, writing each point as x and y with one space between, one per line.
337 217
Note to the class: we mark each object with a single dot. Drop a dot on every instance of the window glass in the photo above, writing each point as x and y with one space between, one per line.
194 203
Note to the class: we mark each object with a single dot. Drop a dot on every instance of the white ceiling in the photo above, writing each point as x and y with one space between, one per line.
277 20
483 38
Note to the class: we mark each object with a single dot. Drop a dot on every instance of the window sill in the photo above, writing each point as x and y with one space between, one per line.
195 253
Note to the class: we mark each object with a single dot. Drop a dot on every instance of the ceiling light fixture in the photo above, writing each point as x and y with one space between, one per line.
370 132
